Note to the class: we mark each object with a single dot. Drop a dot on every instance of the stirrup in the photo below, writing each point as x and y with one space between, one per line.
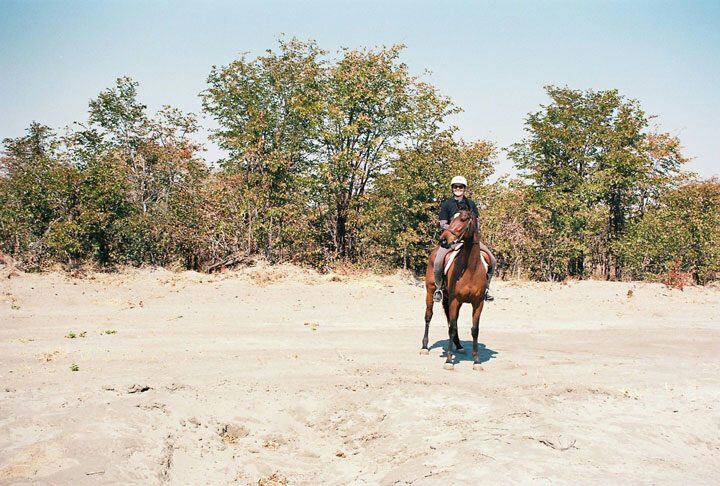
438 295
489 297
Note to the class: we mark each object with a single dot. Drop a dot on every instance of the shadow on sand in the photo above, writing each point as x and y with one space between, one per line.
484 353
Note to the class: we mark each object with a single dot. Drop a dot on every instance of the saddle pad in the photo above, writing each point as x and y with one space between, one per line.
450 257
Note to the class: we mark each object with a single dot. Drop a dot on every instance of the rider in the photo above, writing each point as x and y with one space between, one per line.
448 210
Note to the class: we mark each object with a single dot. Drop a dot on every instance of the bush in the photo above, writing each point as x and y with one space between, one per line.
682 233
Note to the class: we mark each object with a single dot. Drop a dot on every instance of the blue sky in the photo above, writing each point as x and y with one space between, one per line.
491 58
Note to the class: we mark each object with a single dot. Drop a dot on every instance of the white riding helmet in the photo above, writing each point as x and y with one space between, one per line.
458 180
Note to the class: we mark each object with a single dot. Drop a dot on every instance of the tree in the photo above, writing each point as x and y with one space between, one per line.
518 230
268 110
398 222
35 192
593 164
156 151
104 192
311 134
133 165
373 108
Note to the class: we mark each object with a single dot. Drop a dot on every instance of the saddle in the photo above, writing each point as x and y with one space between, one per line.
450 257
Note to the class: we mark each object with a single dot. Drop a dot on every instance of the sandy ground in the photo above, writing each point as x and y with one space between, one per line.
299 378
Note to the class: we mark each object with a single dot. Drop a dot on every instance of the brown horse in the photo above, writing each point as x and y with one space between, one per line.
466 279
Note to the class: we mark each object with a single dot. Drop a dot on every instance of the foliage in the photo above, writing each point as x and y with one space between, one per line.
399 217
517 230
268 113
36 190
682 233
309 133
103 192
593 165
373 109
345 160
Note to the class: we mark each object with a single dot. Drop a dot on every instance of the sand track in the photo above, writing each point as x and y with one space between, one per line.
305 379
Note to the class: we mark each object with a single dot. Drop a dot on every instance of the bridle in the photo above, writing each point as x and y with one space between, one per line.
460 236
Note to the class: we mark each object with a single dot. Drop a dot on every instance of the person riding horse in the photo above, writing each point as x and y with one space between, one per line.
448 210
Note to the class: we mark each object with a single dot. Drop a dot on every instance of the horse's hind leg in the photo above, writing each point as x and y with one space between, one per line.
428 318
446 308
458 346
477 310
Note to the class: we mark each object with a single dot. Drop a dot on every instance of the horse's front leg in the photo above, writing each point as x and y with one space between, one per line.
428 318
477 310
453 311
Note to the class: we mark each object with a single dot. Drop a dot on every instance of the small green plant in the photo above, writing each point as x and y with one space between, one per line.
110 331
83 334
71 335
74 367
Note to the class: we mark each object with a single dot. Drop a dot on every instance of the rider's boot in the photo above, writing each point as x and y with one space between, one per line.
438 272
488 296
438 295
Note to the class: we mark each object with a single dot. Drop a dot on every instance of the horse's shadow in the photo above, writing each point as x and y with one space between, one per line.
484 353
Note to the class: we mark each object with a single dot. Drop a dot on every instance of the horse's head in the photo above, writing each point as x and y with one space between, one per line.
462 228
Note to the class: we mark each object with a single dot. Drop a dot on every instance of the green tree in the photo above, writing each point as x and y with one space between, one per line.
156 151
311 135
103 192
518 230
268 111
36 192
373 108
593 164
133 165
398 224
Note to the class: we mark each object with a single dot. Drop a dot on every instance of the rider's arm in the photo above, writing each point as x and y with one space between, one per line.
444 216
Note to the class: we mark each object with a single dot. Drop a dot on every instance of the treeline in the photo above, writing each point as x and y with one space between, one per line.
347 158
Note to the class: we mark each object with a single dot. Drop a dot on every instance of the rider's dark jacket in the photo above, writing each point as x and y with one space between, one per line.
449 208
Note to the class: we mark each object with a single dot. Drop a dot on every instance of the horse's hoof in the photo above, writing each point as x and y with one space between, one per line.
449 366
424 351
477 367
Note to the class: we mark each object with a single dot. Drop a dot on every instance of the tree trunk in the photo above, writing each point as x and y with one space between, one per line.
340 233
617 227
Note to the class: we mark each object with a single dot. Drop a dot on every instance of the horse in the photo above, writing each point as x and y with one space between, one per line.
466 282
